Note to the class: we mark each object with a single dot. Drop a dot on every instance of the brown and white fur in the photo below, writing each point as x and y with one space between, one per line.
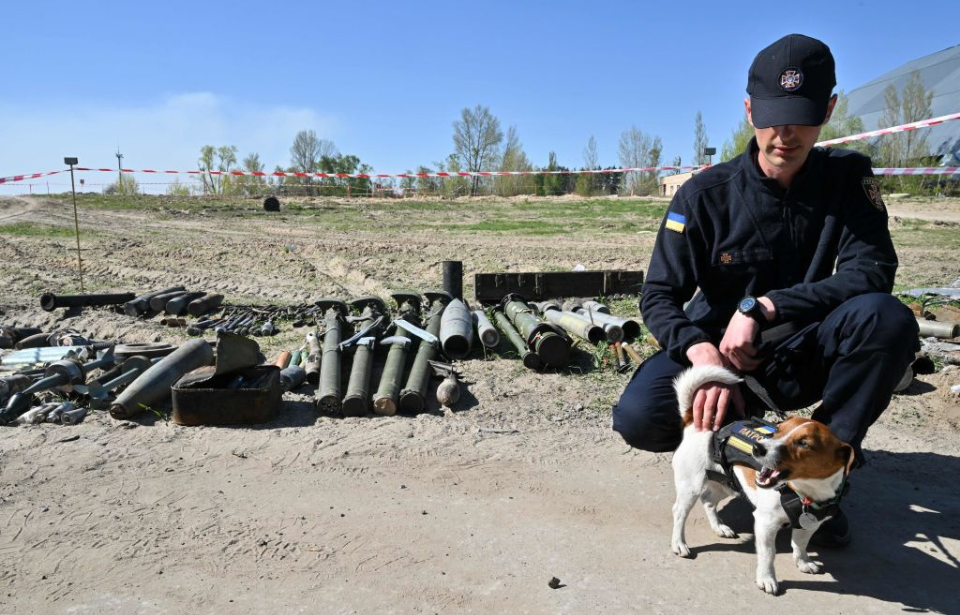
802 452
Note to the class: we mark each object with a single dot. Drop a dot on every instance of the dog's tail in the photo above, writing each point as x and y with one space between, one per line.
687 383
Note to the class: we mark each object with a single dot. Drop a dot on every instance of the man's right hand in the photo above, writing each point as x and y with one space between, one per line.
712 400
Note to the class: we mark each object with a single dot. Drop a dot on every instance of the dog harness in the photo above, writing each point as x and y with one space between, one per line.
733 445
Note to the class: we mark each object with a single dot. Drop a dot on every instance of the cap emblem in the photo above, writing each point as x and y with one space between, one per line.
791 79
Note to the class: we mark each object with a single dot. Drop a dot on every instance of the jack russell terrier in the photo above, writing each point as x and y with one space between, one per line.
793 473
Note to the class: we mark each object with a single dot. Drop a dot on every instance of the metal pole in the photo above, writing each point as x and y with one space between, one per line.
76 225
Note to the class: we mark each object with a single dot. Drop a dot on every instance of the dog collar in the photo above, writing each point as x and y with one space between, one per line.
803 512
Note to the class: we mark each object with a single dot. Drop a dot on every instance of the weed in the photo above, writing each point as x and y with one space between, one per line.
34 229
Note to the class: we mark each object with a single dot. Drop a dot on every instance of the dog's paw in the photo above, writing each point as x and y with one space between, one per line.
724 531
768 584
681 549
807 565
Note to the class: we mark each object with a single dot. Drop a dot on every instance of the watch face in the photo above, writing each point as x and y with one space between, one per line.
747 304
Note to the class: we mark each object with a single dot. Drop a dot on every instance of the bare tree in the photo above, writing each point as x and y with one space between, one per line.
891 147
699 141
513 159
220 159
842 124
917 105
634 152
251 185
908 147
652 178
306 153
590 154
476 141
308 149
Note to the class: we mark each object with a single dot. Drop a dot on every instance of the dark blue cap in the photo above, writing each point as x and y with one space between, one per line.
791 82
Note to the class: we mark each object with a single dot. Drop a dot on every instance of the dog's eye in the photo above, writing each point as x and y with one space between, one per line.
802 444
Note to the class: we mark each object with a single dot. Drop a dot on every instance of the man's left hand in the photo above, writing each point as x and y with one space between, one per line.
737 343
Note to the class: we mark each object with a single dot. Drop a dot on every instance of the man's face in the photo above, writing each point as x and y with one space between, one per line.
784 149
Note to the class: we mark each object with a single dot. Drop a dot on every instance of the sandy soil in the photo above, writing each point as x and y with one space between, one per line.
471 510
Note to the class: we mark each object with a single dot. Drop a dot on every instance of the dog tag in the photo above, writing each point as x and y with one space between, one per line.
808 521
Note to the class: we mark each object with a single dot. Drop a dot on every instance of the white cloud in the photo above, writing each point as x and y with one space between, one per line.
166 135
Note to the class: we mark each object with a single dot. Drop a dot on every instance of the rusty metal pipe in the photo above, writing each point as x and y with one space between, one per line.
283 359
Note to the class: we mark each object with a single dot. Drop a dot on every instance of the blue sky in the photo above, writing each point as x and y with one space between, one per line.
385 80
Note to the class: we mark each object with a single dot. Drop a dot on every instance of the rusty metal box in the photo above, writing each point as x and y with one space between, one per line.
242 397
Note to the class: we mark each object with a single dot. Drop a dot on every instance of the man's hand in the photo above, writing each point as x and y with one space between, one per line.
712 400
737 343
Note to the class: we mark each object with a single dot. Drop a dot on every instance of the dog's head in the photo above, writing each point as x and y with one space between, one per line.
801 449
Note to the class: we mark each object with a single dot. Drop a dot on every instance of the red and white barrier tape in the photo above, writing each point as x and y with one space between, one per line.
18 178
917 171
400 175
877 171
864 135
886 131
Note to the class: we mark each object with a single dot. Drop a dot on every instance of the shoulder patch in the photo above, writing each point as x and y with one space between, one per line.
676 222
872 189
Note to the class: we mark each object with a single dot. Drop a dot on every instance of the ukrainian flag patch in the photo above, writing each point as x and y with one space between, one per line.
676 222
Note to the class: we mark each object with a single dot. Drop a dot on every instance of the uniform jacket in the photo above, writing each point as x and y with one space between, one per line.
732 232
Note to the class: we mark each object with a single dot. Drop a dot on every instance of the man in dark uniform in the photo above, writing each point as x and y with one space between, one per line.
783 236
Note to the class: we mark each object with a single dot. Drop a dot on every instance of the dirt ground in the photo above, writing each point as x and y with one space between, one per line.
470 510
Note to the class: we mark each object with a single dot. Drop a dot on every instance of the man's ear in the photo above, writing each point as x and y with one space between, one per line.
830 106
746 107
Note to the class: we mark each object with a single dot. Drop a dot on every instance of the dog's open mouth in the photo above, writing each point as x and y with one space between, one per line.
767 478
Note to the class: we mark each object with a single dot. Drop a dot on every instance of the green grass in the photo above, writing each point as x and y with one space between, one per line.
34 229
524 227
922 234
536 217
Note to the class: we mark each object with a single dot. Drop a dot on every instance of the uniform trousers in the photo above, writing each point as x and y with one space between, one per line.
850 363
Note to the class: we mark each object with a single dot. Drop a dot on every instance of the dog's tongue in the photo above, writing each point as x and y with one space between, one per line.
767 476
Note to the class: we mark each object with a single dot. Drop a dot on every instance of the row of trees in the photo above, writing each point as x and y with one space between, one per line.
480 144
308 154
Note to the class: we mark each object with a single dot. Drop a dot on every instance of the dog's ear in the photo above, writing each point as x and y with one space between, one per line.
847 456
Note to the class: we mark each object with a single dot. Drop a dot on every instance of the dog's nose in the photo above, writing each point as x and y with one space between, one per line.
759 450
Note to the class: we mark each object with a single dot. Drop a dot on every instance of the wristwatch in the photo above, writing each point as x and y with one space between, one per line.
749 306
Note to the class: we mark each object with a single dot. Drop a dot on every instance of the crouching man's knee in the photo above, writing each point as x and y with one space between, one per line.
646 415
646 430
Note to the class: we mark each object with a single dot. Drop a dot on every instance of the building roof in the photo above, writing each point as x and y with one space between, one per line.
940 72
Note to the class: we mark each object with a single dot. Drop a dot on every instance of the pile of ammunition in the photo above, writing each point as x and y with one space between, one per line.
63 390
361 355
254 320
